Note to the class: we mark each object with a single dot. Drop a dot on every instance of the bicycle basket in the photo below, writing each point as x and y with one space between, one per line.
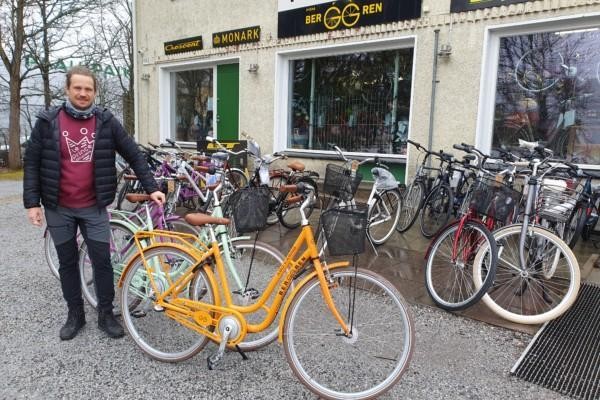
339 182
493 198
345 229
250 208
557 198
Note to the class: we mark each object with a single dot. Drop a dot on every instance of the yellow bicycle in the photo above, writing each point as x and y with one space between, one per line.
347 332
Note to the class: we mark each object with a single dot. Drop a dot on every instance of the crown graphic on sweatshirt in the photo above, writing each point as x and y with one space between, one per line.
82 150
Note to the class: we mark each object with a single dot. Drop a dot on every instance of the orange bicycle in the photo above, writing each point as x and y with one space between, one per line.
347 332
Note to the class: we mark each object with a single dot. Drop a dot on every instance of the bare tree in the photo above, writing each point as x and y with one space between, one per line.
12 39
113 43
30 25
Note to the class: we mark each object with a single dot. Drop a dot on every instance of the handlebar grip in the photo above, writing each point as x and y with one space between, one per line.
460 147
170 141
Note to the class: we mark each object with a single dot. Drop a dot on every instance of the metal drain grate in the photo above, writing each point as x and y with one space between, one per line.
564 355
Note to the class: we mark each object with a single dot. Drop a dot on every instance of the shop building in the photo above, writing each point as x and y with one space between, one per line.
368 74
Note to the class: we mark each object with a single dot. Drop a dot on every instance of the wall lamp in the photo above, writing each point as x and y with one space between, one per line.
253 68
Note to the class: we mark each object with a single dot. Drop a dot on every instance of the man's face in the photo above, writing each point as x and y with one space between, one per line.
81 93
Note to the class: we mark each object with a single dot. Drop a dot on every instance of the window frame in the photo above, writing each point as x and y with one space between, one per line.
490 59
283 90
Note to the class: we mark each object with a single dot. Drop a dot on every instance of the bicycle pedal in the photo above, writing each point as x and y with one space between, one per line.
213 360
138 314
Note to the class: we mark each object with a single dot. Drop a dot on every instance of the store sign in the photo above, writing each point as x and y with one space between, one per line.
466 5
304 17
183 45
237 36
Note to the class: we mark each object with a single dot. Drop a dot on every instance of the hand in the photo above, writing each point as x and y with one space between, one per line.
35 215
158 197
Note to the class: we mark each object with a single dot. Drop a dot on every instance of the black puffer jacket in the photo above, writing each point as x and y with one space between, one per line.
41 180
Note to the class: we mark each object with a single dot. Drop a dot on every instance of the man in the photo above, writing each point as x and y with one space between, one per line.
70 170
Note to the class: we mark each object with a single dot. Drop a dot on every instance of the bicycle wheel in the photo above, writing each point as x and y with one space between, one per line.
436 210
449 269
237 178
413 200
361 366
50 254
543 290
289 214
158 335
122 248
575 224
265 261
384 215
275 182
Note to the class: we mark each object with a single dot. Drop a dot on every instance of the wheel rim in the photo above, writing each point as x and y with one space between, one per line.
336 358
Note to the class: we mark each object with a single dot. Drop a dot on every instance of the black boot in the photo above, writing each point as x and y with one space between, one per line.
108 323
75 321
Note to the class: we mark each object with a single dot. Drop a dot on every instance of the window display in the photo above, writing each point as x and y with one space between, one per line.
358 101
193 105
548 90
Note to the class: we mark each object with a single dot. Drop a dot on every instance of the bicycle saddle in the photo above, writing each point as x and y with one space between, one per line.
296 166
198 219
219 155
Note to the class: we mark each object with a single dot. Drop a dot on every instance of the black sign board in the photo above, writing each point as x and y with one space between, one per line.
236 36
183 45
233 145
344 14
467 5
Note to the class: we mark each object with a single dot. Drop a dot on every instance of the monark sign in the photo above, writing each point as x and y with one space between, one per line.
467 5
236 36
304 17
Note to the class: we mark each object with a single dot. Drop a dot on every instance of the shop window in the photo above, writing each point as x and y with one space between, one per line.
359 101
193 105
548 90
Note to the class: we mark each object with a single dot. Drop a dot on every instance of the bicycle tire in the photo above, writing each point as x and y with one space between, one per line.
275 182
237 177
386 208
436 210
574 226
449 281
121 248
50 254
553 262
355 368
413 201
157 335
289 214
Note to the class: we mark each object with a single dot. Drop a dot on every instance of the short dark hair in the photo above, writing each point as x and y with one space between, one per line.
81 70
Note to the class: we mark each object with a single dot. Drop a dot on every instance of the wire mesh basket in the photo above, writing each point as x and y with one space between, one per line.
339 181
557 197
493 198
249 208
345 229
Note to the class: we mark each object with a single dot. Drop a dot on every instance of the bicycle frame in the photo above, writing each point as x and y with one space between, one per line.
202 317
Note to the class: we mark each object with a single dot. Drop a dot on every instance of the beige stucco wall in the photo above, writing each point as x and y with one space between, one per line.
457 99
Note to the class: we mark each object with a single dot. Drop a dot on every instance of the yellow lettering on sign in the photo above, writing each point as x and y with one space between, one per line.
372 8
313 19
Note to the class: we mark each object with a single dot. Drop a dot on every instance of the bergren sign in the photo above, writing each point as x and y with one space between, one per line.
304 17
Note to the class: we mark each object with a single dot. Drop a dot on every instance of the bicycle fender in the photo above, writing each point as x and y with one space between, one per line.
304 281
134 258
